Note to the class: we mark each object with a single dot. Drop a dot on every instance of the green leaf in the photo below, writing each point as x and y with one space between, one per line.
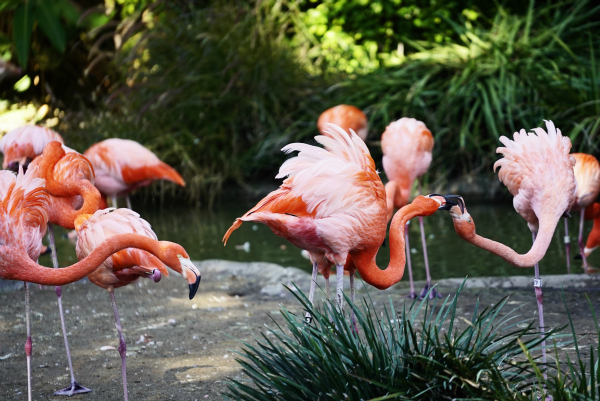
49 21
22 84
22 27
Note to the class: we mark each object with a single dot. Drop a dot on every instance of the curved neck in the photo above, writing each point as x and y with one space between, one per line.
396 195
61 211
365 260
466 230
16 264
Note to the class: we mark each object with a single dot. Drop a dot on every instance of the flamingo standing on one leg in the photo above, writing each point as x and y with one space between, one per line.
407 146
538 171
126 266
69 180
20 146
122 165
332 204
587 176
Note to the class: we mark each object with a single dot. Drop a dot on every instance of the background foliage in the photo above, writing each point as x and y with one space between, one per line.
216 88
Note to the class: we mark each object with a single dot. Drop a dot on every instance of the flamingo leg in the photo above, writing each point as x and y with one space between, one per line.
567 246
339 270
412 294
352 299
28 343
537 283
74 388
327 288
113 201
580 240
122 345
311 294
128 202
433 293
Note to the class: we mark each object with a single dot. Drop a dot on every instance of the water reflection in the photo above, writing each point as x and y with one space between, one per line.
201 231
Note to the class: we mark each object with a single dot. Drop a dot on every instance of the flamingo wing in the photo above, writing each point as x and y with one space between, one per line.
346 117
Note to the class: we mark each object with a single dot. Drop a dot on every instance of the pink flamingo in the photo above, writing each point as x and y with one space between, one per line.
587 176
122 165
20 146
407 146
332 204
126 266
347 118
593 240
69 180
538 171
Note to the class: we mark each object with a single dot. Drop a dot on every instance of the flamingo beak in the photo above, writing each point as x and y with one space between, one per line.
451 201
191 273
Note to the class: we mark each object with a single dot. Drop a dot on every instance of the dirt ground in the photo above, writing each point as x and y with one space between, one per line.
180 349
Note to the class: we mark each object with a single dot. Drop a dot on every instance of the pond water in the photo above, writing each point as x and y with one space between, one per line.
200 232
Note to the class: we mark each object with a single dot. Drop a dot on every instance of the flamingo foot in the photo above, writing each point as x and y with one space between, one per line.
73 389
433 292
412 295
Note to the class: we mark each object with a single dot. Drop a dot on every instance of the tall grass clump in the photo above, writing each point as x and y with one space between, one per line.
502 75
422 353
212 89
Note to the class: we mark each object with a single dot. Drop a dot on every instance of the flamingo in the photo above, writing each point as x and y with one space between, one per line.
22 226
126 266
407 146
122 165
20 146
69 180
332 204
593 240
347 118
587 176
538 171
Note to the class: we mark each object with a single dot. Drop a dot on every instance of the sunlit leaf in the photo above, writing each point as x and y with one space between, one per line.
22 27
49 22
23 84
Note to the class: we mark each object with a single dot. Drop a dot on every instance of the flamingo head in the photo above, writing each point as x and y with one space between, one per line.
448 202
174 256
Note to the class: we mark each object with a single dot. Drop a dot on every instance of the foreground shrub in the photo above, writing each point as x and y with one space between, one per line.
417 354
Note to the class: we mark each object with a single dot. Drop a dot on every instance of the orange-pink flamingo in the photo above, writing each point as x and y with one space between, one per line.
332 204
69 180
538 172
593 240
347 118
407 146
125 266
587 176
21 145
122 165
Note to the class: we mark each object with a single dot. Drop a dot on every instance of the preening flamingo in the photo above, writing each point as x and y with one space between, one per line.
126 266
407 146
538 171
20 146
332 204
69 180
587 176
347 118
122 165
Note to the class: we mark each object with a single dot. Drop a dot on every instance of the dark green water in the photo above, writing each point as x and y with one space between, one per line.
201 231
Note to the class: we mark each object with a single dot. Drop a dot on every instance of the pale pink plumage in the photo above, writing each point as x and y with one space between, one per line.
121 165
538 172
23 216
26 143
109 222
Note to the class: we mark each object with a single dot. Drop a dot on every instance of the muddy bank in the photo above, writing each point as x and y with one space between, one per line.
182 350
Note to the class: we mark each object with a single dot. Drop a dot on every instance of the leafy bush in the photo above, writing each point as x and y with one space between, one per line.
417 354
